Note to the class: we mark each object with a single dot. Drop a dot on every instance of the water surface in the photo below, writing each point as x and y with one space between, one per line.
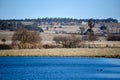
59 68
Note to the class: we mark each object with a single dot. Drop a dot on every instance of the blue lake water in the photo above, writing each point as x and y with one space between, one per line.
59 68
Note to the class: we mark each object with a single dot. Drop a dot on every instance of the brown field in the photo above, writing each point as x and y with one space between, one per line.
77 52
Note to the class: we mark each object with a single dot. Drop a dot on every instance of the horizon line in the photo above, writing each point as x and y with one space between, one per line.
52 18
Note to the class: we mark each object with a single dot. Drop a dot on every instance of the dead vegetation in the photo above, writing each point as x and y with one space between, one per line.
71 41
78 52
25 39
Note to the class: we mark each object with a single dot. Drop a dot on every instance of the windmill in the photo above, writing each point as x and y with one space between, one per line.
90 32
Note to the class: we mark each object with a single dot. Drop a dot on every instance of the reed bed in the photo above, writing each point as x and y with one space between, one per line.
76 52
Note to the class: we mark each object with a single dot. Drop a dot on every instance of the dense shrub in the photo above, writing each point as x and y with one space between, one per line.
50 46
113 37
3 40
5 46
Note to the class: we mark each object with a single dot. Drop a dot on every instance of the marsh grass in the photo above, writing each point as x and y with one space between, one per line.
82 52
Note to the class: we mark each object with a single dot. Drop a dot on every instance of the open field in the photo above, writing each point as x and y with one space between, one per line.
79 52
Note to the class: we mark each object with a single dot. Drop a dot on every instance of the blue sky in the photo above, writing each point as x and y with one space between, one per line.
80 9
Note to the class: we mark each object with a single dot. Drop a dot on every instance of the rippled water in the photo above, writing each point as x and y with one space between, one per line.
59 68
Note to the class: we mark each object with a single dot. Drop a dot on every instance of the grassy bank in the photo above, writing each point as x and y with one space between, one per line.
83 52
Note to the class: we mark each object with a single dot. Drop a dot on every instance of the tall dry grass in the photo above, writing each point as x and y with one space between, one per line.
86 52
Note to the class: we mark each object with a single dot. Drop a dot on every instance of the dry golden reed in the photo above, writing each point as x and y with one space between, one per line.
82 52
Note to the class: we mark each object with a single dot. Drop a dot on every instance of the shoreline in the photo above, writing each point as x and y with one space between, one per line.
65 52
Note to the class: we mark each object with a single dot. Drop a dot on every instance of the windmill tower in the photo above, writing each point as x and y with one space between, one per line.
90 33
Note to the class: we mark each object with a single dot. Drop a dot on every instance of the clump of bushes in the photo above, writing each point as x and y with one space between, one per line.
71 41
5 46
113 38
49 46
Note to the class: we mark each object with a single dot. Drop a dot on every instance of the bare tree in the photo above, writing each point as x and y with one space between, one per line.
71 41
23 37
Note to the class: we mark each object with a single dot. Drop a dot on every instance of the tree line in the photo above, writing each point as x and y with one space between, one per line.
13 25
61 20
